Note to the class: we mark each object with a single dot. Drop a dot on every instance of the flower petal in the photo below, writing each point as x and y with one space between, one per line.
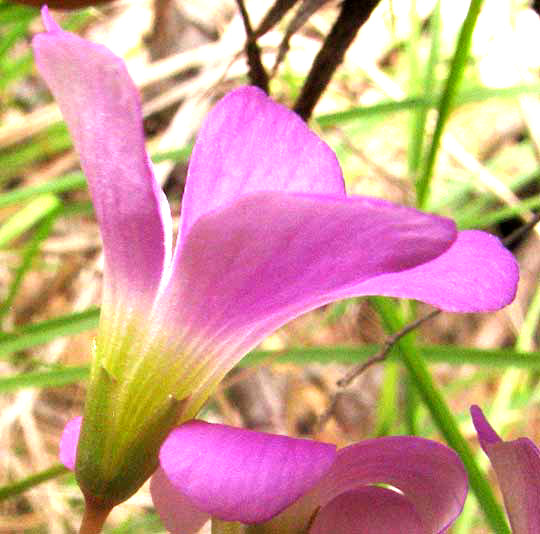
68 442
517 465
241 475
476 274
368 510
250 143
430 475
177 512
100 104
249 267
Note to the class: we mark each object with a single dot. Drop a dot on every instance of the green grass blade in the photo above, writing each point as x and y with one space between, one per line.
45 331
61 376
15 32
502 214
30 252
45 379
69 182
40 208
444 418
468 96
457 68
11 13
20 486
419 117
387 405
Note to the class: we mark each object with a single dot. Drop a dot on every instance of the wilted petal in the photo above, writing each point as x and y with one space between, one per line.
177 512
368 510
68 442
101 106
430 475
250 143
517 465
241 475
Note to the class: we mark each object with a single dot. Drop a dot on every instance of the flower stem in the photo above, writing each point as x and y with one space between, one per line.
94 517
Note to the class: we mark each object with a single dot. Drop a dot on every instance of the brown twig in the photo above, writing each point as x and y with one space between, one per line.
351 17
274 15
304 12
387 346
389 343
257 73
380 356
520 232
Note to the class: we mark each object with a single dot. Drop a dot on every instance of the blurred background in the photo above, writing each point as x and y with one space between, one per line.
378 109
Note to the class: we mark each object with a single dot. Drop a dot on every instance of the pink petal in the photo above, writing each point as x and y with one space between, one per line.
68 442
101 107
249 143
517 466
177 512
430 475
247 268
368 510
241 475
476 274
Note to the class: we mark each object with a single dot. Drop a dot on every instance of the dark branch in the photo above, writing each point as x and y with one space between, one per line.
274 15
516 235
257 74
387 346
351 17
301 16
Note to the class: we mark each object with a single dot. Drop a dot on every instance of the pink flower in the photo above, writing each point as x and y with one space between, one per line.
267 233
517 466
282 485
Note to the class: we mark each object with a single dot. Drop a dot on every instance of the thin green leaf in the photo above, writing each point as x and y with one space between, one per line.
27 217
419 117
30 252
20 486
443 417
457 68
69 182
449 354
477 94
45 331
11 13
45 379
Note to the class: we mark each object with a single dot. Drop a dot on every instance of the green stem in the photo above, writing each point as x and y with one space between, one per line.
20 486
444 419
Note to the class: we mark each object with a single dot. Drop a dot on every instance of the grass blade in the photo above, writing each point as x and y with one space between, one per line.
40 208
20 486
457 68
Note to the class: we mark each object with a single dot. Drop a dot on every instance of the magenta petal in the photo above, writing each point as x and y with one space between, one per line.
271 256
241 475
68 442
101 106
177 512
517 466
476 274
250 143
368 510
430 475
486 433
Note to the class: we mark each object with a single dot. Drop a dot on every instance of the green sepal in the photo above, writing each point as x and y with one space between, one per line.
112 464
